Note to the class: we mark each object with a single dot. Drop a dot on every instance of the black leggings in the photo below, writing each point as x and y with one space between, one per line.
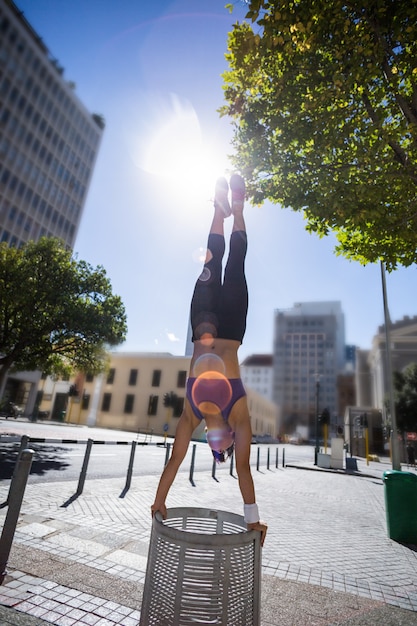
220 309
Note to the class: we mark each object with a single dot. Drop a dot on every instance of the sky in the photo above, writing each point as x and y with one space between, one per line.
153 70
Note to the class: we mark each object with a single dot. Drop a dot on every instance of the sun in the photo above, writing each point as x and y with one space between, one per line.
177 151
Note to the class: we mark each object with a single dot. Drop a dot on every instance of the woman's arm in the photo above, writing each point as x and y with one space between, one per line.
183 435
243 439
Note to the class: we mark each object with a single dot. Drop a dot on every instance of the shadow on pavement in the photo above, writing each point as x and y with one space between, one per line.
46 458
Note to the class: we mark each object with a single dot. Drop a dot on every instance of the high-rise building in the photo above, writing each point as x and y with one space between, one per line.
309 353
48 139
48 147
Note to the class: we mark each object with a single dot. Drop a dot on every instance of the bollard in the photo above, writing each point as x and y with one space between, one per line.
213 469
257 459
231 463
83 474
168 448
130 468
283 457
276 458
23 445
17 491
192 464
267 459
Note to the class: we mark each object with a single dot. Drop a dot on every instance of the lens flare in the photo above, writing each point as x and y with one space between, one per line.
220 438
211 392
205 275
202 255
207 363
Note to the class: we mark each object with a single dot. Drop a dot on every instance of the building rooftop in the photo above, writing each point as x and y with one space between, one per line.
260 360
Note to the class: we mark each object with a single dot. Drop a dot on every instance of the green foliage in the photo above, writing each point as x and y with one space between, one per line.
55 312
405 386
323 98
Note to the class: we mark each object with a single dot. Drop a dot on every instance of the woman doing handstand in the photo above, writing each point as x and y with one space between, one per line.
214 390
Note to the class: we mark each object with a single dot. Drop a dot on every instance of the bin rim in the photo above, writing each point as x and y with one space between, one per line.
395 474
203 539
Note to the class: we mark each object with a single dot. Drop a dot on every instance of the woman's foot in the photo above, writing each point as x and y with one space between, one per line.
221 200
237 185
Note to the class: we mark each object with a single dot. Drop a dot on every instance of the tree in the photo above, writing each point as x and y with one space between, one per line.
55 311
405 385
323 98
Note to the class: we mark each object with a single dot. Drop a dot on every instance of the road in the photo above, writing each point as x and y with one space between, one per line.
57 461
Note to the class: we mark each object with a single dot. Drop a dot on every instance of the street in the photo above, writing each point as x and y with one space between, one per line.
57 461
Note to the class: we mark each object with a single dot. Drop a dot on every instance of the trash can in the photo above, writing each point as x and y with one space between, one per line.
401 505
203 568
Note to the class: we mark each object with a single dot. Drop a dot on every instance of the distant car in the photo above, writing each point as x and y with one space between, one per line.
10 409
295 439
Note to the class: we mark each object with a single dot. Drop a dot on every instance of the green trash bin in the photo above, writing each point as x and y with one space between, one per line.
401 505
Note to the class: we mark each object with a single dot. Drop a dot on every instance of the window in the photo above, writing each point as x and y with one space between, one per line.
178 407
89 378
129 402
182 377
110 376
105 405
85 401
156 378
133 377
153 405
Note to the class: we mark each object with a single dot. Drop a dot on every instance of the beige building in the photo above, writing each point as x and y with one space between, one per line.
371 376
131 396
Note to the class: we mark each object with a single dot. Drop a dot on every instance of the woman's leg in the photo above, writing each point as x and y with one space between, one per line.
206 300
234 291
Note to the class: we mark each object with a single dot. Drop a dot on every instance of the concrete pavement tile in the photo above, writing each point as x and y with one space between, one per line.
36 529
80 545
297 604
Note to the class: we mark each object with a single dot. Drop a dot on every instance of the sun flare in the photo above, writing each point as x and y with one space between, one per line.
178 152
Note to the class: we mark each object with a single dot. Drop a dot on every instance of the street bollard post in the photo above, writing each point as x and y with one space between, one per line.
83 473
283 457
167 451
23 445
17 491
257 459
276 458
267 459
130 468
192 464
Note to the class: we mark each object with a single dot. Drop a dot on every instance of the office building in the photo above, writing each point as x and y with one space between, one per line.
48 148
309 354
48 139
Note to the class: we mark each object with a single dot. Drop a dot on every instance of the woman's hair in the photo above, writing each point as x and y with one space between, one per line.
222 455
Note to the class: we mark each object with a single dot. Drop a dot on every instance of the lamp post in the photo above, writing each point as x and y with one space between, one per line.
395 452
316 450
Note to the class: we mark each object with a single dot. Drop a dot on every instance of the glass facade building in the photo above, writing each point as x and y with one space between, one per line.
48 139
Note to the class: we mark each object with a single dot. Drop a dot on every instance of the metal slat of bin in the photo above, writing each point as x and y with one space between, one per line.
203 568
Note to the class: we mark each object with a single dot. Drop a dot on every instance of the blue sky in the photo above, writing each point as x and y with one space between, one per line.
153 70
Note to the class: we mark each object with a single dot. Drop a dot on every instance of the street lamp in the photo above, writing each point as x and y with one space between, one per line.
395 453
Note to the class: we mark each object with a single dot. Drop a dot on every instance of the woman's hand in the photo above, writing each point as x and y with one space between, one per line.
262 527
159 507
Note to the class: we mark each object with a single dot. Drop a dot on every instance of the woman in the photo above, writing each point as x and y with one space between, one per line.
215 391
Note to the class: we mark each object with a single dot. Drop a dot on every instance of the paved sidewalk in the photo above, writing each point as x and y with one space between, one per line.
327 559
